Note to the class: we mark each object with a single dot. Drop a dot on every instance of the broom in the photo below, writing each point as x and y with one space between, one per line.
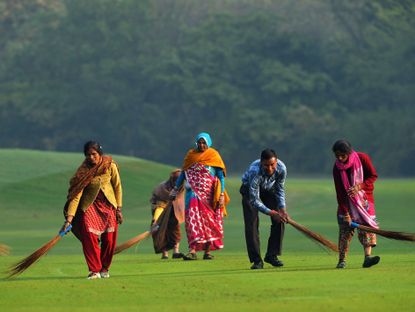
324 242
4 250
388 234
131 242
24 264
158 230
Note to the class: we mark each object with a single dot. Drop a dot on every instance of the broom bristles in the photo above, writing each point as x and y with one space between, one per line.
24 264
131 242
4 250
389 234
324 242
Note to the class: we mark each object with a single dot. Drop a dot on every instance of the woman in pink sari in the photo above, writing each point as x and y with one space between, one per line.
354 177
204 175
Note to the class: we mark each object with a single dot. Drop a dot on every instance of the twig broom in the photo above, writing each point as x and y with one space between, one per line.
131 242
24 264
324 242
388 234
4 250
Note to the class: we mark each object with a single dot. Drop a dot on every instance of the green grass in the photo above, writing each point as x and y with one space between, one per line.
32 193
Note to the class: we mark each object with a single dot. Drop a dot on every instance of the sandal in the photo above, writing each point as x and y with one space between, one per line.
208 256
178 255
190 256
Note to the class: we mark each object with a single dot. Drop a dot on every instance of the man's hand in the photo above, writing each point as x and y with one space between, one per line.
276 216
118 216
283 215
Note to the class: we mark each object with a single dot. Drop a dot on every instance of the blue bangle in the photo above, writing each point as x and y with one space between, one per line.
354 225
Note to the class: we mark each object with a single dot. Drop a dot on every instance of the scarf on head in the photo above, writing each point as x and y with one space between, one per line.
205 136
358 203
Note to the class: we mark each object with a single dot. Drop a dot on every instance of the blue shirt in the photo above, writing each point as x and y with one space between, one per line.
257 180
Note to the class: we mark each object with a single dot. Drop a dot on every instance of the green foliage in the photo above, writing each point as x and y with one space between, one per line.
144 77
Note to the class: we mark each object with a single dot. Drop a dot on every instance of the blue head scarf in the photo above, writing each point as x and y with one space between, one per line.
206 137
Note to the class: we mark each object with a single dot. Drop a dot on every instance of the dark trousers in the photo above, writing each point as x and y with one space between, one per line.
251 219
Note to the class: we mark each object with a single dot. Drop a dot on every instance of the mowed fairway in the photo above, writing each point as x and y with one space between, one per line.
32 193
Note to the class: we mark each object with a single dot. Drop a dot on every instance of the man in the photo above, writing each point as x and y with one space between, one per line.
263 190
167 216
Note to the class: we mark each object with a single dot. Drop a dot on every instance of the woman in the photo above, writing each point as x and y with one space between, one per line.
168 216
354 177
93 208
205 200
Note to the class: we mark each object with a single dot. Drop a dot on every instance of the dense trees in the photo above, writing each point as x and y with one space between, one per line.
145 76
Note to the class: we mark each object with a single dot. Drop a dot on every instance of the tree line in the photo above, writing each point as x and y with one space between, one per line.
144 77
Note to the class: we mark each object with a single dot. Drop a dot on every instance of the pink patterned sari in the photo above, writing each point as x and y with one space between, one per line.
203 222
358 205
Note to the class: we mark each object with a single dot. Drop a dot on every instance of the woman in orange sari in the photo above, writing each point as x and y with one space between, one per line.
204 174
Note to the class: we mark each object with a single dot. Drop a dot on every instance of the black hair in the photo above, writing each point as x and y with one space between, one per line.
93 144
342 146
268 154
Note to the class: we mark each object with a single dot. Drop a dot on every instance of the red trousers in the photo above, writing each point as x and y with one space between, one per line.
98 258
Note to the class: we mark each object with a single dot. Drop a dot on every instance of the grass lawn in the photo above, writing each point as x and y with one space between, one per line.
32 192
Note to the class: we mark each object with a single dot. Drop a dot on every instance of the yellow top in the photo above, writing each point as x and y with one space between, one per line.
109 183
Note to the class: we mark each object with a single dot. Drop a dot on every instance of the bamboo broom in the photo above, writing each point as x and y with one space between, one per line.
4 250
131 242
324 242
388 234
24 264
158 230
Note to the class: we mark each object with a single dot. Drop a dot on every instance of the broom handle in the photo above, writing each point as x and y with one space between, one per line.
63 232
356 225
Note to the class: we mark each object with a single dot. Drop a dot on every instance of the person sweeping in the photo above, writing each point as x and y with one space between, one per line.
167 215
354 177
93 208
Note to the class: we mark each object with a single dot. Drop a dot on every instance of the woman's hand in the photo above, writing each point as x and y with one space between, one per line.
118 215
347 219
173 194
221 202
354 190
67 224
154 227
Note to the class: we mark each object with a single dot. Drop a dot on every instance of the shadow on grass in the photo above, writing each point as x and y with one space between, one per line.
182 273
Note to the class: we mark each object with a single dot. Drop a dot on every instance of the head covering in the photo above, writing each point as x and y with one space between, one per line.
206 137
174 175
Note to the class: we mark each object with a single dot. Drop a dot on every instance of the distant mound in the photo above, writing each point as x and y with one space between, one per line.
35 182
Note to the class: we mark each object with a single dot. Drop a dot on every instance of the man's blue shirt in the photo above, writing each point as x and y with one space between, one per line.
257 180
